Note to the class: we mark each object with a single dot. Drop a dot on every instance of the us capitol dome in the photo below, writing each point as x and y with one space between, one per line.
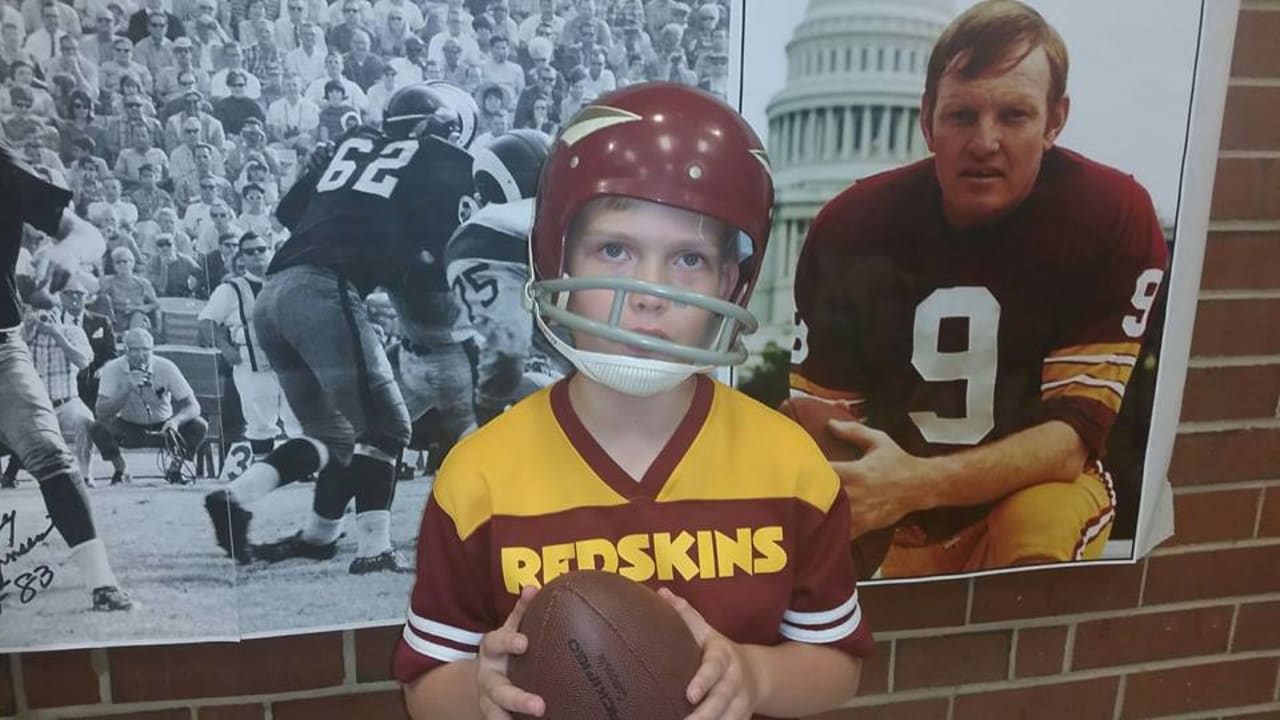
850 108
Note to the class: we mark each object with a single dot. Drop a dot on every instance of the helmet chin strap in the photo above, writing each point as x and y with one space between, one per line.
639 377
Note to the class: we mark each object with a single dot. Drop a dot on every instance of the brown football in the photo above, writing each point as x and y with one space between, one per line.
812 414
603 646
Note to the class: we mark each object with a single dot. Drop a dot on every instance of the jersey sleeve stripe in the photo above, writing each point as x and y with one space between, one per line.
823 617
441 630
809 387
1129 360
1104 396
1116 387
433 650
829 635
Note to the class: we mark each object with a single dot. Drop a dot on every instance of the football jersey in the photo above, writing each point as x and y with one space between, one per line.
378 203
25 196
739 514
950 338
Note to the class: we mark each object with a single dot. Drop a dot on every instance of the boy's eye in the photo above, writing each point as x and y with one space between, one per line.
691 260
613 251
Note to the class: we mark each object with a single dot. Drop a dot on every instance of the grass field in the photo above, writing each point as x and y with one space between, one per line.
161 545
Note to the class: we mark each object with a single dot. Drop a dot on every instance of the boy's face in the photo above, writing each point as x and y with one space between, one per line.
147 178
254 200
658 244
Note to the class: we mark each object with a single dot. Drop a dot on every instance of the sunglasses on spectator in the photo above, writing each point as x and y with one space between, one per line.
133 105
157 24
238 84
217 216
254 250
208 187
164 243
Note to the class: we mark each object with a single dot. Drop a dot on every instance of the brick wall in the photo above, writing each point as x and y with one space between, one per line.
1191 632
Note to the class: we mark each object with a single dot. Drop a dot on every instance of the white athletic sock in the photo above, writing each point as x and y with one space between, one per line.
373 530
321 530
256 483
91 557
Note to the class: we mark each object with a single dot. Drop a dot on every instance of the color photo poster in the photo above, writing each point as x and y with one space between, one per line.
835 88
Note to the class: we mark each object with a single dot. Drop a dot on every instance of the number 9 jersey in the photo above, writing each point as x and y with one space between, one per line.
947 339
377 205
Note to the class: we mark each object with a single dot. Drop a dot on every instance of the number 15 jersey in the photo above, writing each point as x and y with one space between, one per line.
950 338
377 204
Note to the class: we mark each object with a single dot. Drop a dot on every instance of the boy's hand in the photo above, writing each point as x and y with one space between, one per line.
724 686
498 697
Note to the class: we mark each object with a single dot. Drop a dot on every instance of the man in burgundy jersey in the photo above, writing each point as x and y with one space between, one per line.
981 312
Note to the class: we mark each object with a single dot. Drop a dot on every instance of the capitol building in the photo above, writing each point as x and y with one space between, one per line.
850 108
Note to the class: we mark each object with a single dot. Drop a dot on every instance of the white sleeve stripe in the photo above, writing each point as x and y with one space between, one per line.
1115 387
1094 359
830 635
823 617
433 650
441 630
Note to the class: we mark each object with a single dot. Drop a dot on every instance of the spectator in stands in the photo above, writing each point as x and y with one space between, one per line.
167 85
69 62
503 25
238 107
219 84
292 120
600 78
140 22
587 15
80 134
155 51
541 117
172 273
318 92
22 122
133 298
122 63
210 37
209 170
123 211
409 68
576 97
42 42
216 263
546 15
291 25
379 93
468 50
148 197
97 46
500 69
251 11
499 123
335 111
543 88
144 399
249 145
307 61
140 152
392 34
167 223
196 215
360 65
265 58
339 37
96 327
256 216
136 109
410 15
634 42
22 76
192 114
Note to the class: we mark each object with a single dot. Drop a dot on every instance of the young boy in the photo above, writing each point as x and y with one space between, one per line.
650 225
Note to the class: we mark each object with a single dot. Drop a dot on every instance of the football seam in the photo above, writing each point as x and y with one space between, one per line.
677 712
542 633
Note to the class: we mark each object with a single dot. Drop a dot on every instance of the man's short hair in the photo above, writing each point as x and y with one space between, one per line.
332 85
252 187
995 34
481 23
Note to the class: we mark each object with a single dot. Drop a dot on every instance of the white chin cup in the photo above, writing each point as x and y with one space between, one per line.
640 377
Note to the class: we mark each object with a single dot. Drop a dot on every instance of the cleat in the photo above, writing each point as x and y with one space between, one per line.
295 547
110 598
389 561
120 477
230 525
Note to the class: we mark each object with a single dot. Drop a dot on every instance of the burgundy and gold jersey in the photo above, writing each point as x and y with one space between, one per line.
946 339
739 514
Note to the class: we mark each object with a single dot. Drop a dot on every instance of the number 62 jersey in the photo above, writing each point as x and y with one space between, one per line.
946 338
378 203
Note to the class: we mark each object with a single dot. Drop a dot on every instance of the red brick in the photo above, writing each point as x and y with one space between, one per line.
1241 261
1227 393
1212 574
1227 456
1066 701
1214 516
1236 327
1246 189
1249 122
218 669
58 679
875 671
935 709
1196 688
1059 591
1257 627
1255 52
183 714
1270 525
373 653
952 660
230 712
1157 636
915 605
7 704
381 705
1039 651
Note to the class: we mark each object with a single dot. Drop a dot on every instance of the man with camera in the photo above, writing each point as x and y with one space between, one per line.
143 398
